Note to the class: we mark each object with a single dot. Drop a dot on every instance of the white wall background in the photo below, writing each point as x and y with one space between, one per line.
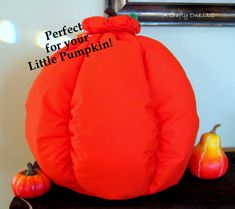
207 54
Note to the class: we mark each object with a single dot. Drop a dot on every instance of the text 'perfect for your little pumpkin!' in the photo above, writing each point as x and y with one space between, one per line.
66 55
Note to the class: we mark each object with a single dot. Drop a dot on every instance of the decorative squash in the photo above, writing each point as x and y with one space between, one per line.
208 160
30 183
118 124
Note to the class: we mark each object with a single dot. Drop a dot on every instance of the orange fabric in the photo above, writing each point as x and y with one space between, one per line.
118 124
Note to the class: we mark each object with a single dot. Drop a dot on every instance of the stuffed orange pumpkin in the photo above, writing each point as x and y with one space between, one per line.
118 124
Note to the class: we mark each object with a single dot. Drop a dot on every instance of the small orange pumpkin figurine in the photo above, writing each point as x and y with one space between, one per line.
208 160
30 183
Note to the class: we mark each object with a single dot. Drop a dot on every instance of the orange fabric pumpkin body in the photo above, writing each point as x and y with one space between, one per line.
118 124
